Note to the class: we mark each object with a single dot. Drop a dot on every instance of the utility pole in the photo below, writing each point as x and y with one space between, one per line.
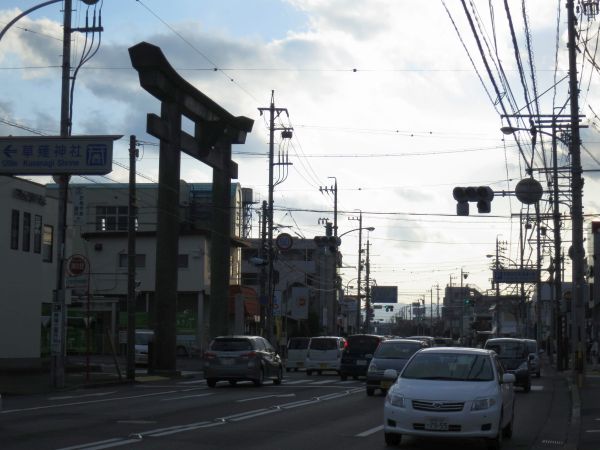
264 255
367 291
359 270
131 260
58 350
431 311
578 332
497 289
437 287
558 316
274 113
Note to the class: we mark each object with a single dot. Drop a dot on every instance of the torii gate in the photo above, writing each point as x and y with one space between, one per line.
215 131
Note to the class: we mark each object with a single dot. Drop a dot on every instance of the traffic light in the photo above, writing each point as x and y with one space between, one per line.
329 242
482 195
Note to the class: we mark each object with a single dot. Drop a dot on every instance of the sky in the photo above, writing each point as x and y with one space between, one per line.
390 98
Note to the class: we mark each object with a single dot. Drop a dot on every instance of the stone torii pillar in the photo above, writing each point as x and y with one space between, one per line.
215 131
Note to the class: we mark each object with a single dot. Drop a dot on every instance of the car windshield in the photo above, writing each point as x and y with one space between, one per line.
230 345
507 349
361 345
403 350
449 366
323 344
298 343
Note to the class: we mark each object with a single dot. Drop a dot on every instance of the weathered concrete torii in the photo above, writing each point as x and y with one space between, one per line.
215 131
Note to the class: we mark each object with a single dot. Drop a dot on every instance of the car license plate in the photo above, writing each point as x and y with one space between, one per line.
227 361
361 362
437 425
385 384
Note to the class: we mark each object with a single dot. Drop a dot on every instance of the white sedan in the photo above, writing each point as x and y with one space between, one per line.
450 392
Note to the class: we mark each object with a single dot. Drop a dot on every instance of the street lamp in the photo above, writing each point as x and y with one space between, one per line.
359 267
577 328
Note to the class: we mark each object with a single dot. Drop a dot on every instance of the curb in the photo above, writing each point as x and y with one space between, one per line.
573 433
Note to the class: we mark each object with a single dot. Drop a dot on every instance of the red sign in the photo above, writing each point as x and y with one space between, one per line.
76 265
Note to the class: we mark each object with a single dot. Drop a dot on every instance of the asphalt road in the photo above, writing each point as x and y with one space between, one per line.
317 412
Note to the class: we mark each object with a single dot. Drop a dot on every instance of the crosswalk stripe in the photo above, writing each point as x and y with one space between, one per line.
323 382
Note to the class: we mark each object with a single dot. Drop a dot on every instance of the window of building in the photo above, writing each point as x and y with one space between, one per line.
26 231
182 261
112 218
140 260
47 243
14 230
37 234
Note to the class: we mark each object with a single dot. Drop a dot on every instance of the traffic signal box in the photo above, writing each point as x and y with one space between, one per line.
482 195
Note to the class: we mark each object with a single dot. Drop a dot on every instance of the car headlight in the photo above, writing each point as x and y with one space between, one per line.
395 399
523 366
480 404
372 367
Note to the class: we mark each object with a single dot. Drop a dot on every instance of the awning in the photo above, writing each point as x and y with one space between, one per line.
251 303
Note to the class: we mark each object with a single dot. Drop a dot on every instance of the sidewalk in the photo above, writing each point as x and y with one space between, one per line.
101 371
588 398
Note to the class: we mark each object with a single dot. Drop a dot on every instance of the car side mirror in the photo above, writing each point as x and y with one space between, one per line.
390 374
508 378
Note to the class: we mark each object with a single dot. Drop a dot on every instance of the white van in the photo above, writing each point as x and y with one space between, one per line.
297 349
324 353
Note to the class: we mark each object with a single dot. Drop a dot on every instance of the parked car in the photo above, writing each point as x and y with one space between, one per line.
514 355
324 353
532 348
391 354
429 340
451 393
443 342
142 339
357 354
296 353
239 358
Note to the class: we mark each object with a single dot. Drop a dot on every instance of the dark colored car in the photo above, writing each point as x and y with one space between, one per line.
240 358
391 354
514 356
357 354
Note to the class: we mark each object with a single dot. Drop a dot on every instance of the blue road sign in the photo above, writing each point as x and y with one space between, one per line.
51 155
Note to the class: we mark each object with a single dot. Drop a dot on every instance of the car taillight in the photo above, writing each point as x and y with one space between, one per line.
209 355
248 355
345 345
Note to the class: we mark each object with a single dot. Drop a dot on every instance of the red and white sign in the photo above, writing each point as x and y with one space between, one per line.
76 265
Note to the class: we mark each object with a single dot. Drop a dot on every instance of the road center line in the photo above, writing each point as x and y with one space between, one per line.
370 431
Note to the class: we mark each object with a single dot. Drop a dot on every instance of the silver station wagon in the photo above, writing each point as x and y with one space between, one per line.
241 358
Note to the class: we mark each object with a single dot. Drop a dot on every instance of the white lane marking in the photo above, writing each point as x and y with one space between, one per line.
185 397
295 381
256 414
265 396
323 382
193 382
370 431
349 382
91 443
174 430
66 397
226 418
128 397
103 444
537 388
592 431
